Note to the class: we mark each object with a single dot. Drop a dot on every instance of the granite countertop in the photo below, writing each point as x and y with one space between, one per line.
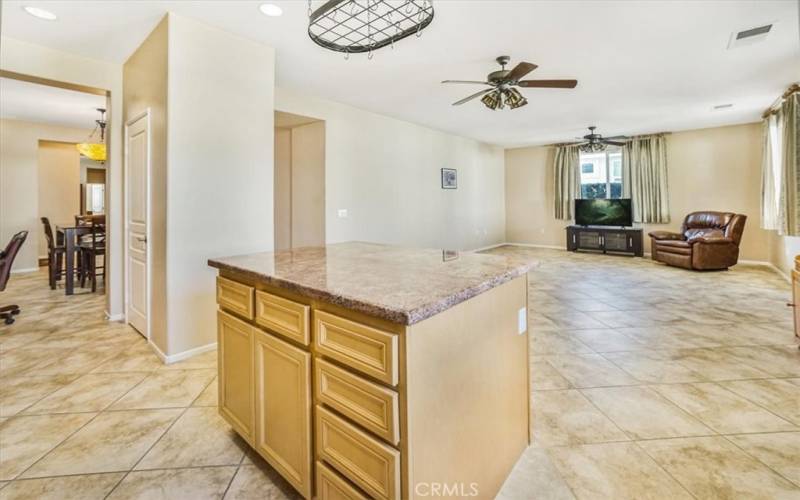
398 284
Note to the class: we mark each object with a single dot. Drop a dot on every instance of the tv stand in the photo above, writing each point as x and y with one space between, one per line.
605 239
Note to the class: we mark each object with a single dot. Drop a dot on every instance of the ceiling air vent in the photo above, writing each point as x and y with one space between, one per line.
749 36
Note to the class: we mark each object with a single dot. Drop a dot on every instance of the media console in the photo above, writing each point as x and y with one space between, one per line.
605 239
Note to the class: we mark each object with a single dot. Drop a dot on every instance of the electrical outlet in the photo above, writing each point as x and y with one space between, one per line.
522 321
342 213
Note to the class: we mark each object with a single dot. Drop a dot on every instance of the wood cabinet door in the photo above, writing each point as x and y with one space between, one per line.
283 409
235 351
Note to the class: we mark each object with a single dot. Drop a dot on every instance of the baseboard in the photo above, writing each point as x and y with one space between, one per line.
489 247
174 358
536 245
769 265
26 270
114 317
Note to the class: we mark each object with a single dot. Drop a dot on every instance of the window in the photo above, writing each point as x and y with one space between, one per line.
601 174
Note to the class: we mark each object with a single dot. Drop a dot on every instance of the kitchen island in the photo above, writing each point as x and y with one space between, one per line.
360 370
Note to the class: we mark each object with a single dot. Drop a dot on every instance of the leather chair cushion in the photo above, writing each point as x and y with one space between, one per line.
665 235
679 247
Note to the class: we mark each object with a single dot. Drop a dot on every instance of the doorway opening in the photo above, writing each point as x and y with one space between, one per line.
299 181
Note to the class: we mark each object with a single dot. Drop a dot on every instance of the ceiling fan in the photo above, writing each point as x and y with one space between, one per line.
593 142
504 85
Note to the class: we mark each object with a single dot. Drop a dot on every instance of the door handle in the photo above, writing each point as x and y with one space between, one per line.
143 240
790 304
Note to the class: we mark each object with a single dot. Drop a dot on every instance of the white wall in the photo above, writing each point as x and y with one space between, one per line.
34 60
783 250
386 173
220 122
19 183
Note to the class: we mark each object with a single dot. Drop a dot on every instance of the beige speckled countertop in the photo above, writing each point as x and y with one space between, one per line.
398 284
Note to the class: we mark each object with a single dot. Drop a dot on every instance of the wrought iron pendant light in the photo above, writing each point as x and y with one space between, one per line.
358 26
95 150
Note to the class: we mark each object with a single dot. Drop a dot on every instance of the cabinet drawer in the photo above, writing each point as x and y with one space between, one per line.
361 347
330 486
235 297
370 464
283 316
368 404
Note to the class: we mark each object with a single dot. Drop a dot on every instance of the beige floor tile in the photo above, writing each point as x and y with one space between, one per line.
16 394
715 364
546 378
91 392
590 370
567 417
166 389
778 361
711 467
643 414
195 484
555 342
535 477
780 396
113 441
138 358
779 450
653 371
89 487
722 410
209 396
259 482
200 437
24 440
615 471
607 340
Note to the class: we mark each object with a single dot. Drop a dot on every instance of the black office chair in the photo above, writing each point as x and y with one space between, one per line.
7 256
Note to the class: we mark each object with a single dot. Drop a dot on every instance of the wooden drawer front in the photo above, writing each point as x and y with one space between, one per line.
283 408
283 316
366 349
235 352
235 297
330 486
368 404
370 464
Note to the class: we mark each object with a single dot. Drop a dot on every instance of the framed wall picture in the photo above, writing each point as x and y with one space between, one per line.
449 178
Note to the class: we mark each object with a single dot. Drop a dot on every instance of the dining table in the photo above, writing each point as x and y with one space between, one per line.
70 232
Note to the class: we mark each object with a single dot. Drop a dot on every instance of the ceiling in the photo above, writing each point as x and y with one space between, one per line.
55 106
642 66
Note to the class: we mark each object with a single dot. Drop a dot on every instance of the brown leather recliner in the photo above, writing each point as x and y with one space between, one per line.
708 240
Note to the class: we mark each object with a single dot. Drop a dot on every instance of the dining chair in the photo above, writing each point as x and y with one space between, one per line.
55 254
90 248
7 257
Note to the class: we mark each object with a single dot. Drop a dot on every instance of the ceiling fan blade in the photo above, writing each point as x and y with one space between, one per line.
613 143
520 70
473 96
616 137
552 84
466 81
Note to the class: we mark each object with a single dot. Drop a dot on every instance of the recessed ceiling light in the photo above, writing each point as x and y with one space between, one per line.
270 9
40 13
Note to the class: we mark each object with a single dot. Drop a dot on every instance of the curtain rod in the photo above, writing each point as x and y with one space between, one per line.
793 88
559 144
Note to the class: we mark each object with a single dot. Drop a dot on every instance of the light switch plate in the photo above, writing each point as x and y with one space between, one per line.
522 321
342 213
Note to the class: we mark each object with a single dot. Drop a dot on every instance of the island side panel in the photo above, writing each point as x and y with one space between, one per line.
467 396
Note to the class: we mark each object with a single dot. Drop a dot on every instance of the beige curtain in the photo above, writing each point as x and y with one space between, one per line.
644 171
567 180
780 182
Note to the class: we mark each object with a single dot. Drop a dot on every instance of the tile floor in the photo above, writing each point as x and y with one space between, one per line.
648 382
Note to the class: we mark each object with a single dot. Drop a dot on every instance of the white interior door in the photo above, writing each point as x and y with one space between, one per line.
137 148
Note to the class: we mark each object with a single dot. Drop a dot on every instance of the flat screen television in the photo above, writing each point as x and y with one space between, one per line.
603 212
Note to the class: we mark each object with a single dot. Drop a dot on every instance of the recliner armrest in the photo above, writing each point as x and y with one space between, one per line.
666 235
713 241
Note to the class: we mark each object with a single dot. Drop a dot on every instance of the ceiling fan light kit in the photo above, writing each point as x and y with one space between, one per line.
595 143
504 85
358 26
